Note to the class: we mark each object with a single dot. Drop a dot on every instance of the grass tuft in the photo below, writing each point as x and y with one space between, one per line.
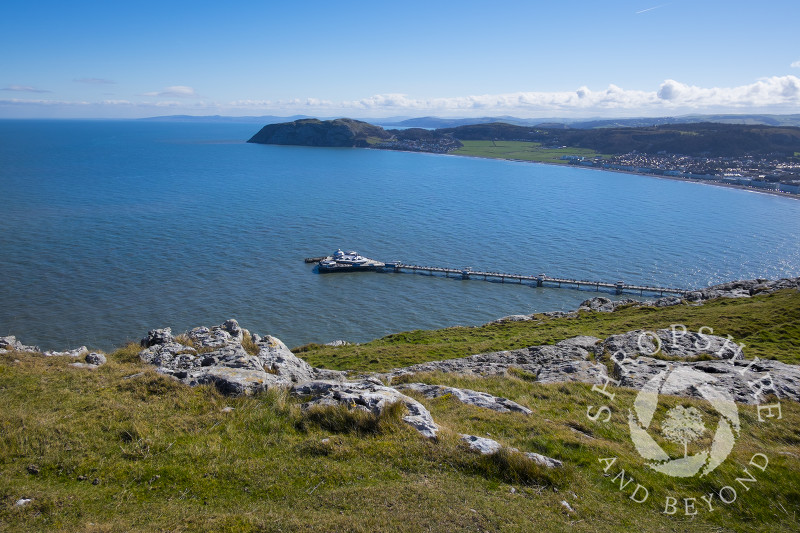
344 419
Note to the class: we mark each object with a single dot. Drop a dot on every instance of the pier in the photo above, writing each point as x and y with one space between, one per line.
540 280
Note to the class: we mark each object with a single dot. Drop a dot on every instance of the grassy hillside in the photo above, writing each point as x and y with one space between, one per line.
521 150
768 325
711 139
122 448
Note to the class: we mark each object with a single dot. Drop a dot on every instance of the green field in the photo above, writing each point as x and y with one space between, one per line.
521 150
123 448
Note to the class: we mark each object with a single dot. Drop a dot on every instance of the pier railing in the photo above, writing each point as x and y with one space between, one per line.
540 280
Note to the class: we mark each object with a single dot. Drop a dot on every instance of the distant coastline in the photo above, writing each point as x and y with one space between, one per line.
756 158
647 175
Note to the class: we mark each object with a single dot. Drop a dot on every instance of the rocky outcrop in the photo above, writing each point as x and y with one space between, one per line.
11 344
749 382
672 343
733 289
216 356
743 289
368 395
580 359
568 360
467 396
605 305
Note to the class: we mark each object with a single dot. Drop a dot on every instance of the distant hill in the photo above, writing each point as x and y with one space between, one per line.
313 132
715 139
694 139
436 122
639 122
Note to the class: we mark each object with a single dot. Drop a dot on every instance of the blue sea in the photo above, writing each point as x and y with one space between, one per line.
111 228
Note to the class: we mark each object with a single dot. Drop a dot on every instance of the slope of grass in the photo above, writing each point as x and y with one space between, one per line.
768 325
122 448
521 150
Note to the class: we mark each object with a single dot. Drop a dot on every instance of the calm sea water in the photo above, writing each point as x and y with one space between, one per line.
109 229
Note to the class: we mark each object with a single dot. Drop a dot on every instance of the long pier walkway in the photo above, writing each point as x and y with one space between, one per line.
540 280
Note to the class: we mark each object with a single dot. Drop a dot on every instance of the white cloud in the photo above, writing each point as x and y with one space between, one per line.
796 64
777 94
176 91
24 89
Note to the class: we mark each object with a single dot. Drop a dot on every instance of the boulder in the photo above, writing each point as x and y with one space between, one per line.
95 358
467 396
481 444
369 395
157 336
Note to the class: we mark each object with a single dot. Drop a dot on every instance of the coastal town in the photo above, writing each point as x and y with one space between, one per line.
775 173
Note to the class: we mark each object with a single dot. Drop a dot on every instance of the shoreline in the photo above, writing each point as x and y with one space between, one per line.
671 178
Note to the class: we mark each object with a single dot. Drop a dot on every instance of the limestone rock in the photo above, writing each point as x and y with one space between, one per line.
77 352
95 358
568 360
369 395
667 301
87 366
489 446
481 444
743 289
11 344
604 305
742 379
223 361
467 396
337 343
543 460
560 314
513 318
157 336
672 344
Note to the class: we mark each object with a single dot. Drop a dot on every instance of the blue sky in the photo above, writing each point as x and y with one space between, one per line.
377 59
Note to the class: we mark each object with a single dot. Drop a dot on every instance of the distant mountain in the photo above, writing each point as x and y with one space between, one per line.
313 132
266 119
